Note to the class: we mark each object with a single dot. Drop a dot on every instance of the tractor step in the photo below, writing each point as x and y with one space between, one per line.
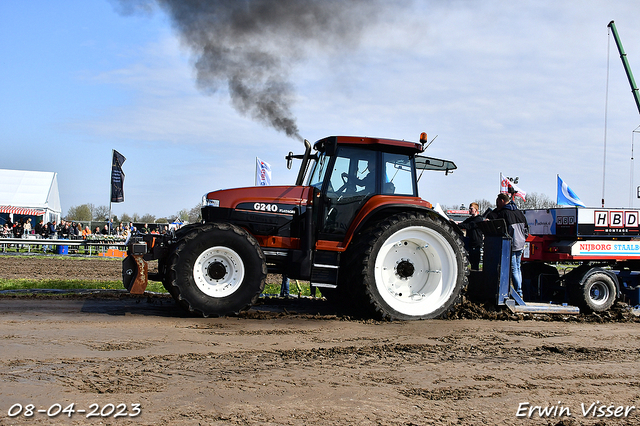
324 275
324 285
324 271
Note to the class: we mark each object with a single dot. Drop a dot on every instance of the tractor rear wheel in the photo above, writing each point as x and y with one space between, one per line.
413 266
217 269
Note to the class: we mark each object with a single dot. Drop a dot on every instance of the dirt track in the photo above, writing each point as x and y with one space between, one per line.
296 362
56 267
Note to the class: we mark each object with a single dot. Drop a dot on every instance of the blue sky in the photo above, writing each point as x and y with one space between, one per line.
511 87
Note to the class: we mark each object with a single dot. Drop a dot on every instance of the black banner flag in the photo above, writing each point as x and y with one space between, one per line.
117 177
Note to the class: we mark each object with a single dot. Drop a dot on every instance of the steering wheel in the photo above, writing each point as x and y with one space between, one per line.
345 180
349 183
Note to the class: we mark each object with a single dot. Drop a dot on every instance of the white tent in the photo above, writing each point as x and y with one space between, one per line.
30 193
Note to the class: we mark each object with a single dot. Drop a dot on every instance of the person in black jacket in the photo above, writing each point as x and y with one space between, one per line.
473 242
518 230
38 228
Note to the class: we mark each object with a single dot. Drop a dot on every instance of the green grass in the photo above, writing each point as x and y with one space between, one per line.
22 284
304 289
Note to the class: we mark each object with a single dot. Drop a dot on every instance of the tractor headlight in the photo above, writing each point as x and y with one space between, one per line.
210 203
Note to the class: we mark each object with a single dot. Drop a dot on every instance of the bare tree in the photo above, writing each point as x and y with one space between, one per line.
536 201
183 215
484 204
147 218
80 213
101 213
446 207
195 214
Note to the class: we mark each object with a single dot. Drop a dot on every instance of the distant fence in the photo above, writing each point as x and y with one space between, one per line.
61 246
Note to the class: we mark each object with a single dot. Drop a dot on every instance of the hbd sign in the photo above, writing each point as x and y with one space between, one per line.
615 219
584 222
618 222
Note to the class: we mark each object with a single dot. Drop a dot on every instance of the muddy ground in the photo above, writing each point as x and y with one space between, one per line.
300 362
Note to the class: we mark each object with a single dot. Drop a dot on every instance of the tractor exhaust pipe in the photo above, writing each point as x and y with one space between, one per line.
305 163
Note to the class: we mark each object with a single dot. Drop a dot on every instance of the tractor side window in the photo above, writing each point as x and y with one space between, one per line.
365 175
398 178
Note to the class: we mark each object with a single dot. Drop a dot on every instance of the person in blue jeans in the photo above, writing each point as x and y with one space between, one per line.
518 230
284 288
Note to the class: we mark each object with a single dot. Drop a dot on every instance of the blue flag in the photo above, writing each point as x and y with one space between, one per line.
566 197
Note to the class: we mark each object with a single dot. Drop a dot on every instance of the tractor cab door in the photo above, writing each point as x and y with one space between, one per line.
348 179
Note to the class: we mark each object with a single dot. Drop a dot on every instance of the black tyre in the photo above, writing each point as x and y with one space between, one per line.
166 282
413 266
217 269
597 293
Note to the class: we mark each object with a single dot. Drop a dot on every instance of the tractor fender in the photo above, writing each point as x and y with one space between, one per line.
613 276
184 230
162 245
376 211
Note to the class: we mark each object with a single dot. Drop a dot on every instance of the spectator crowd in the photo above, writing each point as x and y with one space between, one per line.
68 230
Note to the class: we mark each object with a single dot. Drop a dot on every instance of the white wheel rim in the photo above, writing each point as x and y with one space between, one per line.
227 269
416 271
599 293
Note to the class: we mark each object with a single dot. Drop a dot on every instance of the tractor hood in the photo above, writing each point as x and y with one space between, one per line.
275 199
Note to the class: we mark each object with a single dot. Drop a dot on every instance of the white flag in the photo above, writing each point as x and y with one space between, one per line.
263 173
506 183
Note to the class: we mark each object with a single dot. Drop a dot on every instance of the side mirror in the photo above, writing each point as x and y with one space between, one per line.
289 159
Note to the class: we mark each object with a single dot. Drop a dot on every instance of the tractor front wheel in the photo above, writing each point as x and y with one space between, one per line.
217 269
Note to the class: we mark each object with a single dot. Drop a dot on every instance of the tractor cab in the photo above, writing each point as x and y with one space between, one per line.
349 174
348 171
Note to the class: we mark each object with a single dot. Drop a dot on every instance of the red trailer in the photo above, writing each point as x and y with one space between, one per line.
599 247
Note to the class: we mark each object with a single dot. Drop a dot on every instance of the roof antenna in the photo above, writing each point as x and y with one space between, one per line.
423 140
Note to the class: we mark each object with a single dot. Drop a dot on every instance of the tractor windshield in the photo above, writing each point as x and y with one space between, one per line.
318 170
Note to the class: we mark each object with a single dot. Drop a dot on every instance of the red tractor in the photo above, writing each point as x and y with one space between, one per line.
353 225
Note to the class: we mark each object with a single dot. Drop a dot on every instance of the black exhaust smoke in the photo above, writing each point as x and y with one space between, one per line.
251 45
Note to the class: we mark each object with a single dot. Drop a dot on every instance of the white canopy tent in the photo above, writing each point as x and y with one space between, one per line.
30 193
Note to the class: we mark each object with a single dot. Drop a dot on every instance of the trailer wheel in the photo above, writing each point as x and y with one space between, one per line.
414 267
598 293
217 269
